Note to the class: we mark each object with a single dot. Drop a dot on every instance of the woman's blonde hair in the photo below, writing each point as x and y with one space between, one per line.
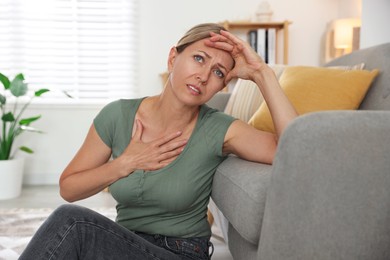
196 33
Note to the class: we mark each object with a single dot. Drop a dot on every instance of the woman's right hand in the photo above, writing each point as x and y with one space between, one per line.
150 156
91 169
247 61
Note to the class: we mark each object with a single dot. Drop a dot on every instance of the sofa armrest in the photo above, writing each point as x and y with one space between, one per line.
329 194
239 191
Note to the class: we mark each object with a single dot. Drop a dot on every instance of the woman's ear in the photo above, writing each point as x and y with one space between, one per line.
171 58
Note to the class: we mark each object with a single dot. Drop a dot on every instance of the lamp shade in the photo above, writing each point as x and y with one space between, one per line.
343 32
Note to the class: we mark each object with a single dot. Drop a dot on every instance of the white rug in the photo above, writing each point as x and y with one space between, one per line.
17 226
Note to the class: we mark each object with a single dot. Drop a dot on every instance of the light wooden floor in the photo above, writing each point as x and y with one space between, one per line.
48 197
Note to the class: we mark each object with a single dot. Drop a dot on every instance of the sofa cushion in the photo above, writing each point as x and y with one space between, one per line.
239 191
313 89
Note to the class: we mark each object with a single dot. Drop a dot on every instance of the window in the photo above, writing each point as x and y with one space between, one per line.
87 48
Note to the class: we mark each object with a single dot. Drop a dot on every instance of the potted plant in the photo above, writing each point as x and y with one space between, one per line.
12 125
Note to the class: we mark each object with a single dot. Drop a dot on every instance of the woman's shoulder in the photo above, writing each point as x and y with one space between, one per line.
121 105
117 110
124 102
115 115
214 120
214 114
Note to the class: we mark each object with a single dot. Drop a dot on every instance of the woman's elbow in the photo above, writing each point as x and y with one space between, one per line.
66 196
64 192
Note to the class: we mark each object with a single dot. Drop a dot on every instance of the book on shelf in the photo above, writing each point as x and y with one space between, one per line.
263 41
252 39
271 46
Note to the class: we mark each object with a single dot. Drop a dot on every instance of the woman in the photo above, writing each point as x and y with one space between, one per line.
165 150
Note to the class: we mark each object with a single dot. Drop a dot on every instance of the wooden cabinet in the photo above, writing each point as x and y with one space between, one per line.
281 29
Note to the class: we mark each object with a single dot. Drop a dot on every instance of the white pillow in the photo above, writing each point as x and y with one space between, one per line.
246 97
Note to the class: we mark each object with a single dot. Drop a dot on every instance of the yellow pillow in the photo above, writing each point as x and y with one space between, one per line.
314 89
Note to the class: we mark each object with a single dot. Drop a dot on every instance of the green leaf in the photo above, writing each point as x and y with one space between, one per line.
29 129
41 91
27 121
26 149
20 76
5 81
18 87
17 131
9 117
3 99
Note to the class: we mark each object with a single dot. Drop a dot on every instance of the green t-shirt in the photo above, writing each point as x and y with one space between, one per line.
171 201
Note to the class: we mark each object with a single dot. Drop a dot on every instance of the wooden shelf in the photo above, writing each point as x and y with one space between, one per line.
247 25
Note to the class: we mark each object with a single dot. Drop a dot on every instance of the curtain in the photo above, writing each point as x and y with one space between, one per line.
87 48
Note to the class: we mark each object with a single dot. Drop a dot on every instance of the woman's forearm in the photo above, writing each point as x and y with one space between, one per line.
83 184
281 109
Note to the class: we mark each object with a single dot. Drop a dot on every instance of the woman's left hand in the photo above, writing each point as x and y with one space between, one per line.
247 61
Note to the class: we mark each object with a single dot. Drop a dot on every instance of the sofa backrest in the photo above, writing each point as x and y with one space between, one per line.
376 57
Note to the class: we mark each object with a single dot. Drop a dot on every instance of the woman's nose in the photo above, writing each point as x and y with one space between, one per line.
200 79
203 76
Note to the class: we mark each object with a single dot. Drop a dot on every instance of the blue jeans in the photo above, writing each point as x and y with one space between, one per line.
73 232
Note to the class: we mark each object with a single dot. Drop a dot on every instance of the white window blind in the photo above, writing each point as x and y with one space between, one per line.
87 48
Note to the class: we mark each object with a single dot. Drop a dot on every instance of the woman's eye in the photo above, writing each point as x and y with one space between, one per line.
219 73
198 58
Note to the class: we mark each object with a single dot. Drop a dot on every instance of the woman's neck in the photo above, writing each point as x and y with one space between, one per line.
172 112
161 115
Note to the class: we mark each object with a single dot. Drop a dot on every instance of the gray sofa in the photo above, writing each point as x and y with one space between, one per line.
327 194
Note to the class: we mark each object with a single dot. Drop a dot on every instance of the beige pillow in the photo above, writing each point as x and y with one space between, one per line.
244 100
314 89
358 66
246 97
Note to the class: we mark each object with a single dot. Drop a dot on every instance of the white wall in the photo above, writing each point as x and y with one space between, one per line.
375 23
161 24
65 127
164 22
350 8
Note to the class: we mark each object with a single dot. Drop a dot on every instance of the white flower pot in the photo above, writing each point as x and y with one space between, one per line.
11 178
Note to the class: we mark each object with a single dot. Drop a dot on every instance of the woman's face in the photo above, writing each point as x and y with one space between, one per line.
198 72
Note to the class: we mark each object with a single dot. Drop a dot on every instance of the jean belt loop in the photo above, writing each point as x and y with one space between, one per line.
166 242
212 248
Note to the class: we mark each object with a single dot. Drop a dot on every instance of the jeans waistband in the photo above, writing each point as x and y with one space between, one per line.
197 248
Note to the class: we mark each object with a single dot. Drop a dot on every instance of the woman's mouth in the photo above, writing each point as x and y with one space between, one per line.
194 89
